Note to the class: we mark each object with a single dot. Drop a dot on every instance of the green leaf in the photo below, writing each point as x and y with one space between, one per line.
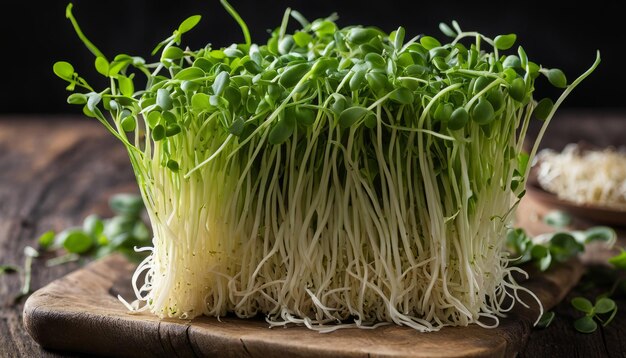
129 124
286 45
443 112
76 241
357 80
604 305
126 204
557 78
252 67
557 219
543 109
189 24
189 86
8 269
141 231
172 53
483 112
375 61
481 83
153 118
237 127
496 98
117 226
93 226
542 257
102 66
221 81
522 162
522 57
582 304
585 325
511 61
46 239
163 99
126 85
619 260
505 42
281 132
416 70
173 165
116 66
200 102
190 73
518 240
429 42
564 246
447 30
92 101
63 69
352 115
77 98
398 38
401 95
370 120
546 319
324 64
517 89
323 28
360 35
293 74
172 129
458 119
440 63
377 81
305 116
302 38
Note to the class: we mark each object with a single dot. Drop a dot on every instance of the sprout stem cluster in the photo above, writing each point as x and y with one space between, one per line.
332 177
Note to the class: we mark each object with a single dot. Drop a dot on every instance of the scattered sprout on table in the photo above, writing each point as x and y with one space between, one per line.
603 311
546 249
98 237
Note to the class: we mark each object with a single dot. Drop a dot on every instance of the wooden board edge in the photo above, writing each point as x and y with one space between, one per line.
179 336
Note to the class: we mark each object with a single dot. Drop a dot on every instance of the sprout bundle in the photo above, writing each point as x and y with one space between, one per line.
331 177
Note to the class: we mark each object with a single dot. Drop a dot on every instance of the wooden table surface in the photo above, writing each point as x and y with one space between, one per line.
54 171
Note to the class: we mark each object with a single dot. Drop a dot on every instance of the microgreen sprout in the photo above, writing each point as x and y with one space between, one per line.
603 311
329 175
29 254
549 248
46 239
98 237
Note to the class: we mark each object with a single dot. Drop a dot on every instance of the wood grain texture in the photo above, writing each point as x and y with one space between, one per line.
79 313
56 170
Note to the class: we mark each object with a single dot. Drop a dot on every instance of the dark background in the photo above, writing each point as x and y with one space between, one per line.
555 34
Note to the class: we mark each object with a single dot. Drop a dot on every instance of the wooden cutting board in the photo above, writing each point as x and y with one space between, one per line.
80 313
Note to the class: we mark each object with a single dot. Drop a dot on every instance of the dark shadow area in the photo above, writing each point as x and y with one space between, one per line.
557 34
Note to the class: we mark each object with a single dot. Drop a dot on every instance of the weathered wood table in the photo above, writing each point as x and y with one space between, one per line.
54 171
